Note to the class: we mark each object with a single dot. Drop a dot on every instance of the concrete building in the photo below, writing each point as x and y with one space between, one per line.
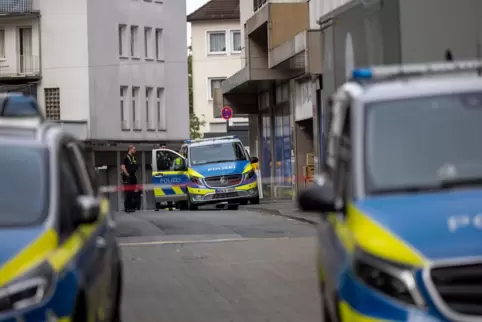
281 55
298 52
216 55
113 72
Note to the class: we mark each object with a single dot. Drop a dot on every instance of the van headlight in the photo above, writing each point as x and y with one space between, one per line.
28 290
249 175
392 279
196 180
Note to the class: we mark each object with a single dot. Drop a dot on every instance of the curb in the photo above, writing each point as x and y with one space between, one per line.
276 212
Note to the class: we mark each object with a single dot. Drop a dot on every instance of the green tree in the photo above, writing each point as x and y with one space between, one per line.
194 121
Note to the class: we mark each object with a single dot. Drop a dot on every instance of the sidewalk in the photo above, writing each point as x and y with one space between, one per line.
285 208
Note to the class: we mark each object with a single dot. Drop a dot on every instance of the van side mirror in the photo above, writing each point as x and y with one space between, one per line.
88 208
184 165
318 199
254 160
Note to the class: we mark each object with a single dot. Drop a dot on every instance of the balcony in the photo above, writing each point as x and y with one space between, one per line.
257 4
278 20
19 7
25 66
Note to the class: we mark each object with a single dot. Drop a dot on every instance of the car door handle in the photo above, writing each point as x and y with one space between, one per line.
100 242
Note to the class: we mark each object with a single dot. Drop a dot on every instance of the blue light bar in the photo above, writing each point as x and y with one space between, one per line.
212 139
362 73
387 71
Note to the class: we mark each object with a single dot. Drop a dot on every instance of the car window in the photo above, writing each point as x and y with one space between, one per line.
217 153
89 167
426 140
24 192
70 189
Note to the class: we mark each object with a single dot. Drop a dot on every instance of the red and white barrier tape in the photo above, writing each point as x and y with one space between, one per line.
150 186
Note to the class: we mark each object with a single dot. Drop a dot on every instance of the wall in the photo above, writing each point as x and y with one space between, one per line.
246 11
444 24
207 66
106 76
64 55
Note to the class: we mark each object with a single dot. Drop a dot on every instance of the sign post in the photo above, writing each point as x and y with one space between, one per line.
227 114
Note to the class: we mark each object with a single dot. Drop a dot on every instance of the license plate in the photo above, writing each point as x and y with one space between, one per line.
226 190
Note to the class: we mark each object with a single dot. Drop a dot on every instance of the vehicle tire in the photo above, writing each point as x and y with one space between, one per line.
190 205
183 205
255 201
325 312
80 311
244 202
233 207
116 296
158 206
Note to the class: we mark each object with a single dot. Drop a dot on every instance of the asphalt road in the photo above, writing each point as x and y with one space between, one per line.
217 266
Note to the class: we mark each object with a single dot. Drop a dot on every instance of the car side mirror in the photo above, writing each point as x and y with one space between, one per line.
318 198
89 209
254 160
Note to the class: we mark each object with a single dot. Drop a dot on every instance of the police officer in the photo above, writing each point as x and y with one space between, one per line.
163 161
129 168
178 163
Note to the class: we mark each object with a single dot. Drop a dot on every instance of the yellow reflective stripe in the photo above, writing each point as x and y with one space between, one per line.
248 168
192 173
247 186
177 190
347 313
199 191
29 257
158 192
64 319
379 241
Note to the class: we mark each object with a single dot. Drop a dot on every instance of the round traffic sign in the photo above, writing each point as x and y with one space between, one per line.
227 113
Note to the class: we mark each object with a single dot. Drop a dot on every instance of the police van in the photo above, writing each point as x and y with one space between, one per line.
213 171
400 236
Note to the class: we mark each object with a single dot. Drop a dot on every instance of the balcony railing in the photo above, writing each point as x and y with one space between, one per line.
257 4
8 7
26 65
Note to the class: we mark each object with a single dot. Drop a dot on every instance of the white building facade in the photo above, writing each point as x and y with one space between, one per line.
216 44
113 72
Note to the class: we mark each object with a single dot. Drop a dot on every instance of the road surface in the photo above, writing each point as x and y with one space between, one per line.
217 266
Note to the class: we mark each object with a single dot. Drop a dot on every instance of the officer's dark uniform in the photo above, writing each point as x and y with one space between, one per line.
130 196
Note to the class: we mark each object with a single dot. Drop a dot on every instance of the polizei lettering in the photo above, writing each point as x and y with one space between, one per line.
168 180
463 221
229 167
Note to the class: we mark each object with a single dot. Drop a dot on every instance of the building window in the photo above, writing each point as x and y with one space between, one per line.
212 84
122 41
123 108
52 103
149 118
2 43
159 45
236 41
161 110
148 42
26 60
135 106
217 42
134 31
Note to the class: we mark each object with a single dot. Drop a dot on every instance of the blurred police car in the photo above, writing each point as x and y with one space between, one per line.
59 260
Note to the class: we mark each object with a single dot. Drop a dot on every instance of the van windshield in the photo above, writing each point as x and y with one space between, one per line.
24 174
217 153
423 143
